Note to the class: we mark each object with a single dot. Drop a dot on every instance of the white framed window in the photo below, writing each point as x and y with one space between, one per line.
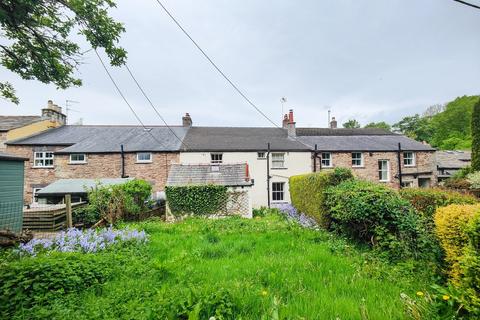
278 160
409 159
326 160
216 158
35 199
78 158
261 155
144 157
43 159
278 191
357 159
383 170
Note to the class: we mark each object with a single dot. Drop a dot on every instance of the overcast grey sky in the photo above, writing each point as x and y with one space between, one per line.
373 60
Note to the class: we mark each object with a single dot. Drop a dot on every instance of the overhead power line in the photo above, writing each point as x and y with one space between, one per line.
468 4
126 101
153 106
235 87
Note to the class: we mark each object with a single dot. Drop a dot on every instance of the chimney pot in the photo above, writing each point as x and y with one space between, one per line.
54 113
290 116
285 121
187 120
333 123
292 131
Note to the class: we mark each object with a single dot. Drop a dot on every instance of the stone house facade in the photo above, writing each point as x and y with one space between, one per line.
272 154
141 158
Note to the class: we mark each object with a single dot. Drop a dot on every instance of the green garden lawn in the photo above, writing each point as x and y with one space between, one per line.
264 268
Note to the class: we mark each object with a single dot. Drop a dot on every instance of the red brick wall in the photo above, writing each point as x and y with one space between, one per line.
425 162
105 165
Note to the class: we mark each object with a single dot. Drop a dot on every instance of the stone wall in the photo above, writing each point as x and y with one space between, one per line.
3 138
425 167
105 165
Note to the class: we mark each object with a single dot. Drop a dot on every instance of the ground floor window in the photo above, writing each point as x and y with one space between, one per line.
326 159
383 170
424 182
278 191
35 198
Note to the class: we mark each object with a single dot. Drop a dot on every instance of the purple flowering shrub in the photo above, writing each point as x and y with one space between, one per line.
75 240
291 213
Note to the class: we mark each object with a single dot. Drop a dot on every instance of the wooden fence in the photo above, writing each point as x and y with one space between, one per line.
47 218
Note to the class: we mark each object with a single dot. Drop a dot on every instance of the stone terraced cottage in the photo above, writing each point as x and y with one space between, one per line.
272 154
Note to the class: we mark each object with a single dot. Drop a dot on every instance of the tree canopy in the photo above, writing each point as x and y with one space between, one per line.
380 125
476 136
37 39
352 123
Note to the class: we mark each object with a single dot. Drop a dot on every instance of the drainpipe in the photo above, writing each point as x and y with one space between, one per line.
122 153
268 173
315 158
399 164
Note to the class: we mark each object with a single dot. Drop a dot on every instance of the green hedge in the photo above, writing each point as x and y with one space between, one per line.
427 200
196 200
306 191
375 214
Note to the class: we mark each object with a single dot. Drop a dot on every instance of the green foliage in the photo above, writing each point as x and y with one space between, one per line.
352 123
197 200
36 281
120 201
380 125
307 191
375 214
475 127
263 212
40 41
453 126
236 268
427 200
85 215
415 127
474 180
462 173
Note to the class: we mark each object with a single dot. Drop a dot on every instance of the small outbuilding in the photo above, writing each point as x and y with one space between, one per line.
235 177
11 192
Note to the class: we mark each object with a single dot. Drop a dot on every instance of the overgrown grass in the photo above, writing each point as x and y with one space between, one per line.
234 268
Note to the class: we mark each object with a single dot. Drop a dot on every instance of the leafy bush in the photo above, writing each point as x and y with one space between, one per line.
263 212
451 223
197 200
375 214
121 201
462 173
307 191
470 266
474 180
427 200
32 281
457 184
86 216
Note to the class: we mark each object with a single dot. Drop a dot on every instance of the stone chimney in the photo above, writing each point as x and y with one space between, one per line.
54 113
285 122
292 132
187 120
333 123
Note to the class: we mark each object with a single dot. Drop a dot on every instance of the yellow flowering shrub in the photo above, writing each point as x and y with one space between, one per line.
451 224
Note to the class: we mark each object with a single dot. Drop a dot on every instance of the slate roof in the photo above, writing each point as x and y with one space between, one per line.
240 139
453 159
11 122
364 143
99 139
76 186
343 132
11 157
203 174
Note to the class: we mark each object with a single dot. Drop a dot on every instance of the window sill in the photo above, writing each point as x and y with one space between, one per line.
358 167
143 162
43 167
282 168
75 163
409 166
327 167
384 181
